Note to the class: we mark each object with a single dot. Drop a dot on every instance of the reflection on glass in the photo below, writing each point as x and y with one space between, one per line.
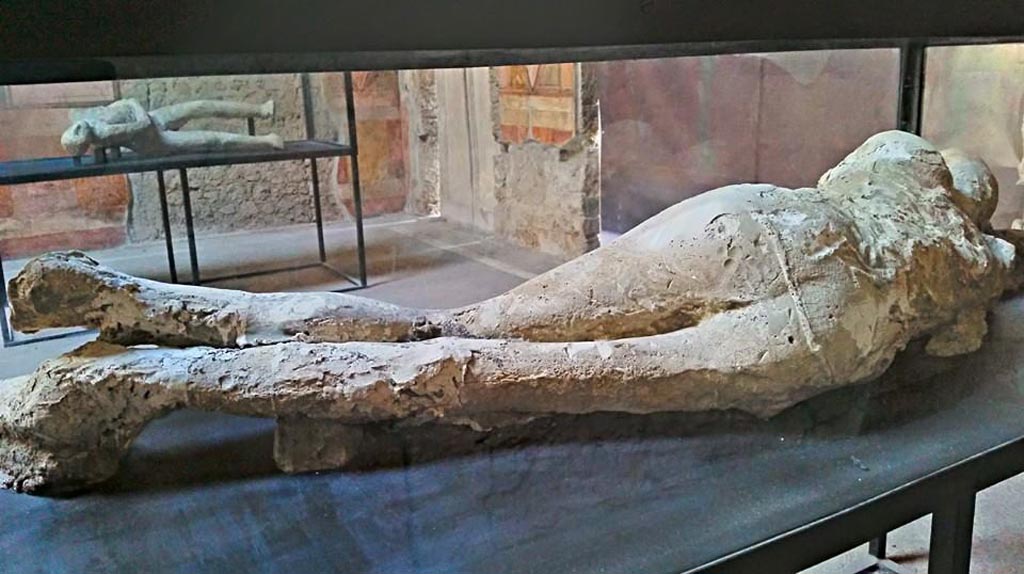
677 127
974 101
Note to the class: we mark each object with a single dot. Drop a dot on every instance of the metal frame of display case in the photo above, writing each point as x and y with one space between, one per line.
121 42
948 495
113 162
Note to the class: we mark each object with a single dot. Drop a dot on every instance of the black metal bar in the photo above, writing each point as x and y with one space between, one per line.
876 547
250 124
18 340
307 107
166 220
952 534
357 198
912 68
825 538
343 275
5 323
261 272
186 198
57 168
314 174
318 211
403 34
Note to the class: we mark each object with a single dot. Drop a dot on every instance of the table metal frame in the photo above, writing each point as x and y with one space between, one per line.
947 494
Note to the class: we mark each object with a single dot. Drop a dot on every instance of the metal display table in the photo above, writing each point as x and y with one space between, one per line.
648 495
62 168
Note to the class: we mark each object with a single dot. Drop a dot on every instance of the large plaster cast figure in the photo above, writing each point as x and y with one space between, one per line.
749 297
125 123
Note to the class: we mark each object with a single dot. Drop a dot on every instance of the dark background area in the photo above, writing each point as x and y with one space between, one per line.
114 38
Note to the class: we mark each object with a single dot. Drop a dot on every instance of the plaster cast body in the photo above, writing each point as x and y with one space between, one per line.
749 297
125 123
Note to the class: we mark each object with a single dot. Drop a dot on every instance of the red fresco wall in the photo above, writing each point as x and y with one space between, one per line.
537 102
380 126
70 214
674 128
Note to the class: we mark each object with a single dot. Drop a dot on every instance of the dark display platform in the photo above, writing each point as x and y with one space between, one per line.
56 168
663 494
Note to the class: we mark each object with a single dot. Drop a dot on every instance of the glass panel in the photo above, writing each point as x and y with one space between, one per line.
973 100
677 127
473 183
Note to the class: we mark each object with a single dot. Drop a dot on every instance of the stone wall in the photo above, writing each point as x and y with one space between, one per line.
496 176
230 198
419 103
256 196
548 197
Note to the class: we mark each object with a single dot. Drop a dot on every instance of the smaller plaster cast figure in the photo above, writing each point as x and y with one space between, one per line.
125 123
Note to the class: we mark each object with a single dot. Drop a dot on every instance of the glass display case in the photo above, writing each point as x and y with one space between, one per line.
652 295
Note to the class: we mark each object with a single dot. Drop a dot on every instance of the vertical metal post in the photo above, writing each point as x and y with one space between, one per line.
165 217
307 107
186 197
250 124
912 67
876 547
357 198
911 81
314 174
952 532
6 332
318 209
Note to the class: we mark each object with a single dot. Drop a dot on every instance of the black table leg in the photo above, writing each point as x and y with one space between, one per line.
165 216
876 547
357 201
6 332
952 531
318 209
357 198
186 197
